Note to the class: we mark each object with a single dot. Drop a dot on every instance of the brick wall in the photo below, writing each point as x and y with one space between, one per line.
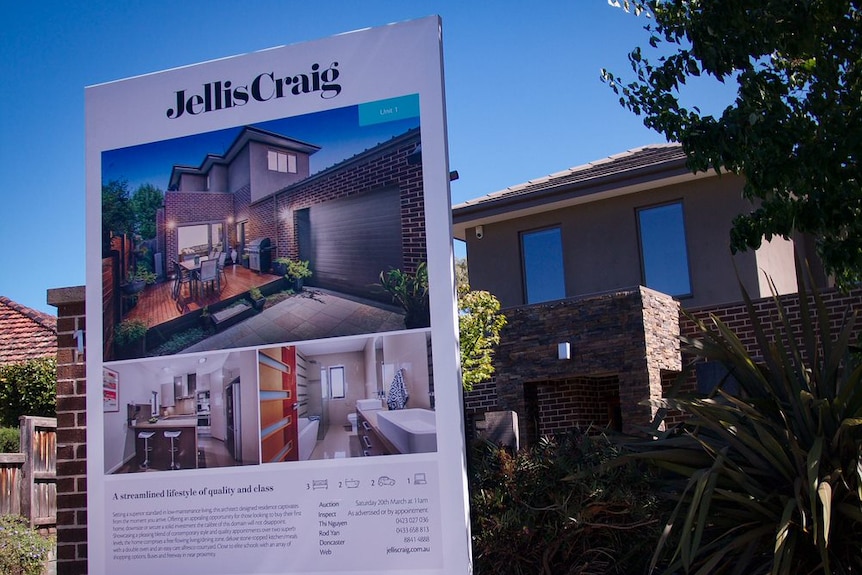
71 432
736 316
578 402
386 166
184 208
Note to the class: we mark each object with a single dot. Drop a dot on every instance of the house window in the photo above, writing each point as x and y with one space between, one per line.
542 253
336 382
199 240
664 254
281 162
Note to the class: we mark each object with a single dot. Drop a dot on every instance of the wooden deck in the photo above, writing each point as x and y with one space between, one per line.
155 304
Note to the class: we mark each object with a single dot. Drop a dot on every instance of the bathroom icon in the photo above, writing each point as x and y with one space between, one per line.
351 483
419 479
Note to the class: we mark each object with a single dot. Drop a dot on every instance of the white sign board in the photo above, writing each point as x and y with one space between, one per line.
266 235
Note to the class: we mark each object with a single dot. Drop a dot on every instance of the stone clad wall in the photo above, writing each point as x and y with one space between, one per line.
631 334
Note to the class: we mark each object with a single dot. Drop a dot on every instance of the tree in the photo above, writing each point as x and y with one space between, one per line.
795 128
117 215
28 388
479 325
461 277
145 202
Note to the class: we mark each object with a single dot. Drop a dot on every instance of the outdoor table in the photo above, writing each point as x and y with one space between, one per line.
193 266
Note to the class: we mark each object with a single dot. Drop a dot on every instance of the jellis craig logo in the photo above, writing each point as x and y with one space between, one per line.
223 94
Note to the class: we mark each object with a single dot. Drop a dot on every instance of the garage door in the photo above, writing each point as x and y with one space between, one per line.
349 241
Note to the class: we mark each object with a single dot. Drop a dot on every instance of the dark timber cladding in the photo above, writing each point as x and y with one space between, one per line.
349 241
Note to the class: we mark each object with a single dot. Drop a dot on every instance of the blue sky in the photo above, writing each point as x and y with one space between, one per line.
524 98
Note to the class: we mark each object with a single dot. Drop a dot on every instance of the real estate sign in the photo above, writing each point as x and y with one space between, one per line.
273 380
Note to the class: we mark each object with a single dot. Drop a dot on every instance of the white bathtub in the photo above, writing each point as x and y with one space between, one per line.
409 430
307 436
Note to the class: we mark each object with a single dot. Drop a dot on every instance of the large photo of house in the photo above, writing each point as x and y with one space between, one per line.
296 229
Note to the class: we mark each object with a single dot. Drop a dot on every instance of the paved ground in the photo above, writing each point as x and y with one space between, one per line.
313 314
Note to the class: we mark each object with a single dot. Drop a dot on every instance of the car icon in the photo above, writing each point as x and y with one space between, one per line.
385 480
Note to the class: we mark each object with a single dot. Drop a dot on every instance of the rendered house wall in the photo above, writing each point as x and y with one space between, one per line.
601 248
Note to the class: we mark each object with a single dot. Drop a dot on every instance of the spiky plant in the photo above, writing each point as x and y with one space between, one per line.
771 476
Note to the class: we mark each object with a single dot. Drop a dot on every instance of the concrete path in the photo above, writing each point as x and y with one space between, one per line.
312 314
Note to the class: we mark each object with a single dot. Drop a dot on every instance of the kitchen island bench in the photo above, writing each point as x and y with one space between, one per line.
186 443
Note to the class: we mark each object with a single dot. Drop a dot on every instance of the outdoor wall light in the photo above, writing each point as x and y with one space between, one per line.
480 232
564 350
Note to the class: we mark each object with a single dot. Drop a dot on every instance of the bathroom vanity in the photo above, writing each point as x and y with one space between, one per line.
186 443
384 432
370 438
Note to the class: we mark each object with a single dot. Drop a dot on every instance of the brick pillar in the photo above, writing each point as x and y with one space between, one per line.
71 432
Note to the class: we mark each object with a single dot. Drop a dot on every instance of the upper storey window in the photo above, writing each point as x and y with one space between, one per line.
664 254
542 253
281 162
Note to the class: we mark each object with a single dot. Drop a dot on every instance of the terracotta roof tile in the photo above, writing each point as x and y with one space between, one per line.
25 333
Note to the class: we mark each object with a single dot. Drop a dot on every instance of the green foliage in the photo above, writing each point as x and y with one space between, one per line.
255 293
180 341
297 269
117 216
28 388
10 440
22 550
144 204
462 279
557 509
795 128
144 275
771 480
410 291
479 325
130 331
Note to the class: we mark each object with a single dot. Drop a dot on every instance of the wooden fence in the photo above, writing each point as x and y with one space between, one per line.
28 480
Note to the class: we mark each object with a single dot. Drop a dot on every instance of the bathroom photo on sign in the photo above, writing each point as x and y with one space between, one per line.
347 397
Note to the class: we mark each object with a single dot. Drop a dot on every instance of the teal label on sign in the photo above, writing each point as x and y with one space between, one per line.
388 110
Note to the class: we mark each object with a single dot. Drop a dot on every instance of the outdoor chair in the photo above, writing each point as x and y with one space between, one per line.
181 277
209 274
221 259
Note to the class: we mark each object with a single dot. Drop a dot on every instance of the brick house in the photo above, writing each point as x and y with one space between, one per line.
368 208
25 333
592 266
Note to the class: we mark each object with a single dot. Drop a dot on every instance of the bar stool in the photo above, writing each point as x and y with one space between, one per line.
172 435
146 435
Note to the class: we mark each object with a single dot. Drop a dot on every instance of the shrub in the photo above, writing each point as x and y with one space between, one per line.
410 291
28 388
22 550
130 331
180 341
771 479
10 440
556 509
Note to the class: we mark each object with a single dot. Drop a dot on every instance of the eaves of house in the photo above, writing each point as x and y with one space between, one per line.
629 172
248 134
25 333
